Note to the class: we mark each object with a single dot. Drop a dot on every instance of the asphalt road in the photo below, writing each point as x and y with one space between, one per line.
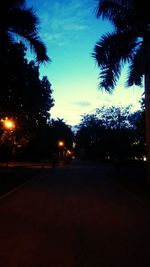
74 216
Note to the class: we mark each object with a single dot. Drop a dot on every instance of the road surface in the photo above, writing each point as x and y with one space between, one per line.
74 216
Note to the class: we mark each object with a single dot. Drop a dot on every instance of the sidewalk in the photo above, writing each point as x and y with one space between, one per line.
29 164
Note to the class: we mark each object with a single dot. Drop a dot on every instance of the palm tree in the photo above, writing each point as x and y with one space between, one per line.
18 21
129 42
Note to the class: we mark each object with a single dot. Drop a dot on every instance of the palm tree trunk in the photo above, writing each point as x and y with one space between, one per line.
147 121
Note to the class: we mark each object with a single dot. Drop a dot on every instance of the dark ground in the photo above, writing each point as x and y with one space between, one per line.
77 215
131 175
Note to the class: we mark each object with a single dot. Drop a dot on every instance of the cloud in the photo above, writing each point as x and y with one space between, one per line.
65 20
55 38
82 103
68 16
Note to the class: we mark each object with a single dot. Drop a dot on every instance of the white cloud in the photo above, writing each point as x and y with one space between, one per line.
64 20
82 103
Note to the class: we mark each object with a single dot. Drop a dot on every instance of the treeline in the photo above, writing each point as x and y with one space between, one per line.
26 99
112 133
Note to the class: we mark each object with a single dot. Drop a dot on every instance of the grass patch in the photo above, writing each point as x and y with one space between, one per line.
132 176
10 178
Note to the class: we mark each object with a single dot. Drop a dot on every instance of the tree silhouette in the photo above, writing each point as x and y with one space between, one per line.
60 131
128 43
18 21
101 136
23 95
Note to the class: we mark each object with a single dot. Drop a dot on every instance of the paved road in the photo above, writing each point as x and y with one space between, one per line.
73 216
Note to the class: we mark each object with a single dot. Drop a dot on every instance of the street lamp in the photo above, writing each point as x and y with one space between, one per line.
61 146
8 124
7 137
60 143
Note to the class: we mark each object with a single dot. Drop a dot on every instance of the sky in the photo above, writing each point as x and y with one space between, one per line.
70 30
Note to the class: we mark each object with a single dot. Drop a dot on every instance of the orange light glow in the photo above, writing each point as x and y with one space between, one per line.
8 124
60 143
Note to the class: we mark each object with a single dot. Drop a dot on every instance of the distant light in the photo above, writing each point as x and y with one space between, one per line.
60 143
144 158
74 145
8 124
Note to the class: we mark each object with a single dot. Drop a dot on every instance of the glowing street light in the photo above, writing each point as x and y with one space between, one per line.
8 124
8 135
61 149
60 143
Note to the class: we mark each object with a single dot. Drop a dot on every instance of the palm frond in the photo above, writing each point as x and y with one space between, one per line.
136 68
113 50
107 8
109 77
17 20
39 49
23 21
116 11
114 46
124 14
10 5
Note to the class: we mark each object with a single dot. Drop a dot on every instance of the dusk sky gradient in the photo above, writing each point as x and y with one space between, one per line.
70 31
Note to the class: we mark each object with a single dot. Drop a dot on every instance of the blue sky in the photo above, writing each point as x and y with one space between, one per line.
70 29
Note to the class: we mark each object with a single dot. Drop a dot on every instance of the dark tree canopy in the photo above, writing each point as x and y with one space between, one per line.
60 131
22 92
110 133
18 21
126 44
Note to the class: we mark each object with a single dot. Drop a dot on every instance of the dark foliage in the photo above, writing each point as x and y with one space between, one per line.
18 21
110 134
24 96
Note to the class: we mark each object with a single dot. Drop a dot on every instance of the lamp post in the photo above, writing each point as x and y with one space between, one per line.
9 128
61 147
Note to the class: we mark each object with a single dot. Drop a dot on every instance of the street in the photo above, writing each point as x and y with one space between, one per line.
74 216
